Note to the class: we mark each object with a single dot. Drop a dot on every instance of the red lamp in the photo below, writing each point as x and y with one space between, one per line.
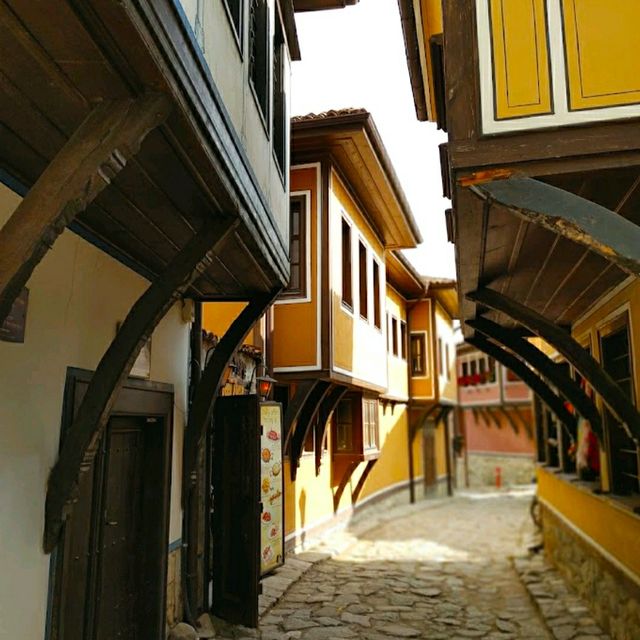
264 386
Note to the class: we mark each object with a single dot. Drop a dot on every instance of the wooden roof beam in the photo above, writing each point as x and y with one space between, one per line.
97 151
91 419
529 377
562 341
548 369
595 227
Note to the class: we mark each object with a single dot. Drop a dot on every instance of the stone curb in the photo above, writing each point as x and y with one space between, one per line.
564 612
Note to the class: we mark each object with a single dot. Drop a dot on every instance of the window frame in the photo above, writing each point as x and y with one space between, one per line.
363 280
346 239
377 294
260 65
403 340
238 29
421 338
301 294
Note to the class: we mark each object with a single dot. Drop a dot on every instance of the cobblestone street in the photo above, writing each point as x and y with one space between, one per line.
436 571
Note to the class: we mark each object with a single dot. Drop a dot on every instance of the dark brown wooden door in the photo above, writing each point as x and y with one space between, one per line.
237 509
119 570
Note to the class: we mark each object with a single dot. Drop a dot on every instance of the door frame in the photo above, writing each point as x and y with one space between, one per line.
138 398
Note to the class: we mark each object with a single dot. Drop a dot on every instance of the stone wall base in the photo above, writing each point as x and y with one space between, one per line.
614 598
514 470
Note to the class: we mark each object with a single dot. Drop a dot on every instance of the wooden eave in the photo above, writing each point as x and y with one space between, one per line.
412 52
403 277
447 295
55 64
354 144
321 5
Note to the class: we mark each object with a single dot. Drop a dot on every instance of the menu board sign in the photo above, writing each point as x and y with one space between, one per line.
271 488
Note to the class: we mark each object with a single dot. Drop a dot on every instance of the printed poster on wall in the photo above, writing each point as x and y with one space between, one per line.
271 488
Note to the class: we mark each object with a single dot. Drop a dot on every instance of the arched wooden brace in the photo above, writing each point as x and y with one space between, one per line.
599 229
86 164
548 369
509 417
303 389
562 341
329 403
355 494
476 413
307 417
208 388
420 421
79 446
535 382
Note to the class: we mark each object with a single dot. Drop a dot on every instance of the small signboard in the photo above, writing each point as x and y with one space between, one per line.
12 329
271 488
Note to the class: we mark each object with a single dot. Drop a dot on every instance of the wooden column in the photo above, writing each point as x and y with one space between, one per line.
92 157
561 340
79 445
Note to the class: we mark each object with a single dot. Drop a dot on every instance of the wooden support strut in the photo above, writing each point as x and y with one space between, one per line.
523 420
86 164
586 365
329 403
294 408
208 388
531 379
571 216
493 417
115 366
548 369
306 419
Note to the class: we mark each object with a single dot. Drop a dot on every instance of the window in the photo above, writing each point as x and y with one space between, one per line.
376 295
347 296
403 340
235 9
297 286
440 357
394 335
465 369
474 367
622 450
344 426
370 423
259 54
447 365
362 274
279 112
309 441
418 356
388 334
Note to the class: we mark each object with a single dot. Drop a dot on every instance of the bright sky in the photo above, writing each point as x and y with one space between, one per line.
354 57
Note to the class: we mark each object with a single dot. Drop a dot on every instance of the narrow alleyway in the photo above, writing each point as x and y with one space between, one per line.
436 572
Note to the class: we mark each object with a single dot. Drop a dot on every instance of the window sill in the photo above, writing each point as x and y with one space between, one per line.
362 456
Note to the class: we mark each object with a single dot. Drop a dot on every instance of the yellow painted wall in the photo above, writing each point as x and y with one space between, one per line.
520 58
423 388
295 325
397 367
603 52
309 501
615 528
359 348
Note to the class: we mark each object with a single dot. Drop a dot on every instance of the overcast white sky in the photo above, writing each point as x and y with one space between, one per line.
354 57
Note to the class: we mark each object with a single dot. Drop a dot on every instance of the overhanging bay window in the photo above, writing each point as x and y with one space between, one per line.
356 434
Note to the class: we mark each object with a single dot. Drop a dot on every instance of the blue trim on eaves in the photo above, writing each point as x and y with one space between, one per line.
15 185
176 544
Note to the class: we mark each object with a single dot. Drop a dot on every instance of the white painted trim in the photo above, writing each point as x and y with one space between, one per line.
561 115
297 368
346 372
589 540
627 282
473 405
307 240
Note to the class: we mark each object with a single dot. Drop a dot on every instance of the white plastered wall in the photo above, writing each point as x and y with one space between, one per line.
76 296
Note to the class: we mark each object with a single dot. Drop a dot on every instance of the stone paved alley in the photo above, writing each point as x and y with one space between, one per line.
437 571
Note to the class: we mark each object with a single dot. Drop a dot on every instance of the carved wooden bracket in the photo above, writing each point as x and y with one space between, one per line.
329 403
92 157
115 366
292 414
